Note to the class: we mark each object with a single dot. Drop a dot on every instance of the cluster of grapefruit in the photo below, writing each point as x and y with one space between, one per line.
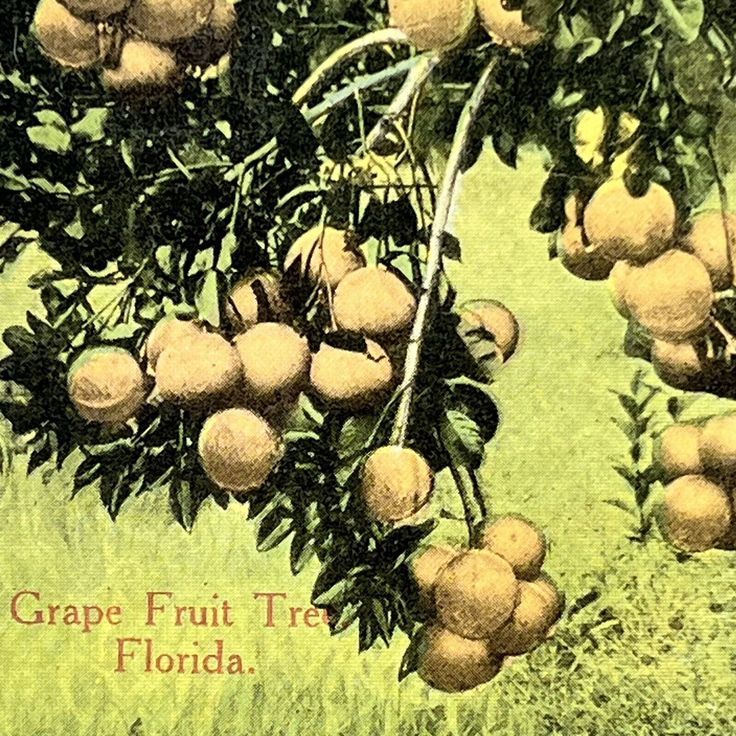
246 379
698 461
484 604
664 277
138 45
445 24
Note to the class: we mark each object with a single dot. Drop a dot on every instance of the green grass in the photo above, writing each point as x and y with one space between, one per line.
654 654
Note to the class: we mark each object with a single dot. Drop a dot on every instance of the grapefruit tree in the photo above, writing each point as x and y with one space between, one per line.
246 220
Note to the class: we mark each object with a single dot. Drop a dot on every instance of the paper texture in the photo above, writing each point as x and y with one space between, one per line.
280 315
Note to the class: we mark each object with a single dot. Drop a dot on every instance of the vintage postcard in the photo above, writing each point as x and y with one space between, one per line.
367 367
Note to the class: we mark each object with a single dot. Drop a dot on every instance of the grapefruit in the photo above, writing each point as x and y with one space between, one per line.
275 360
106 385
238 450
621 226
396 482
476 594
695 514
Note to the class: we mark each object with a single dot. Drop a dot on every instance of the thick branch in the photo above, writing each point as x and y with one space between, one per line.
434 259
386 36
415 81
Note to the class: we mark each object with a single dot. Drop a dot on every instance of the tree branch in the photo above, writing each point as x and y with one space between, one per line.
383 37
366 81
415 80
434 259
473 509
314 114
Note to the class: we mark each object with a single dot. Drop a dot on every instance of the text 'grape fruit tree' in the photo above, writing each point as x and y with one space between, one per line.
246 210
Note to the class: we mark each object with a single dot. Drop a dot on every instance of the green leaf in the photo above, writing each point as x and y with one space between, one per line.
51 117
335 596
683 17
355 434
697 72
302 551
620 505
412 656
53 134
207 299
629 404
627 474
346 618
627 428
367 634
228 246
126 151
462 438
274 529
91 127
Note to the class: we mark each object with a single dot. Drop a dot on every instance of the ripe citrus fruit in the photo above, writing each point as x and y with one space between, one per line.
352 379
671 296
621 226
96 9
106 385
324 255
617 287
577 259
142 66
433 24
276 361
496 320
395 483
168 331
450 663
540 605
426 567
476 594
199 370
519 542
717 445
256 298
507 27
238 450
677 451
680 364
712 238
374 302
68 40
695 514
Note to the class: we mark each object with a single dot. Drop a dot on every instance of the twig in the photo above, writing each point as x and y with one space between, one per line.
384 37
474 511
434 258
415 80
313 114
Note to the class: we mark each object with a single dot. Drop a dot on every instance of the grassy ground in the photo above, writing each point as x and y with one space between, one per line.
653 654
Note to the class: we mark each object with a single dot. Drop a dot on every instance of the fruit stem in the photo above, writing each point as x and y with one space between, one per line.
445 201
415 81
474 508
383 37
